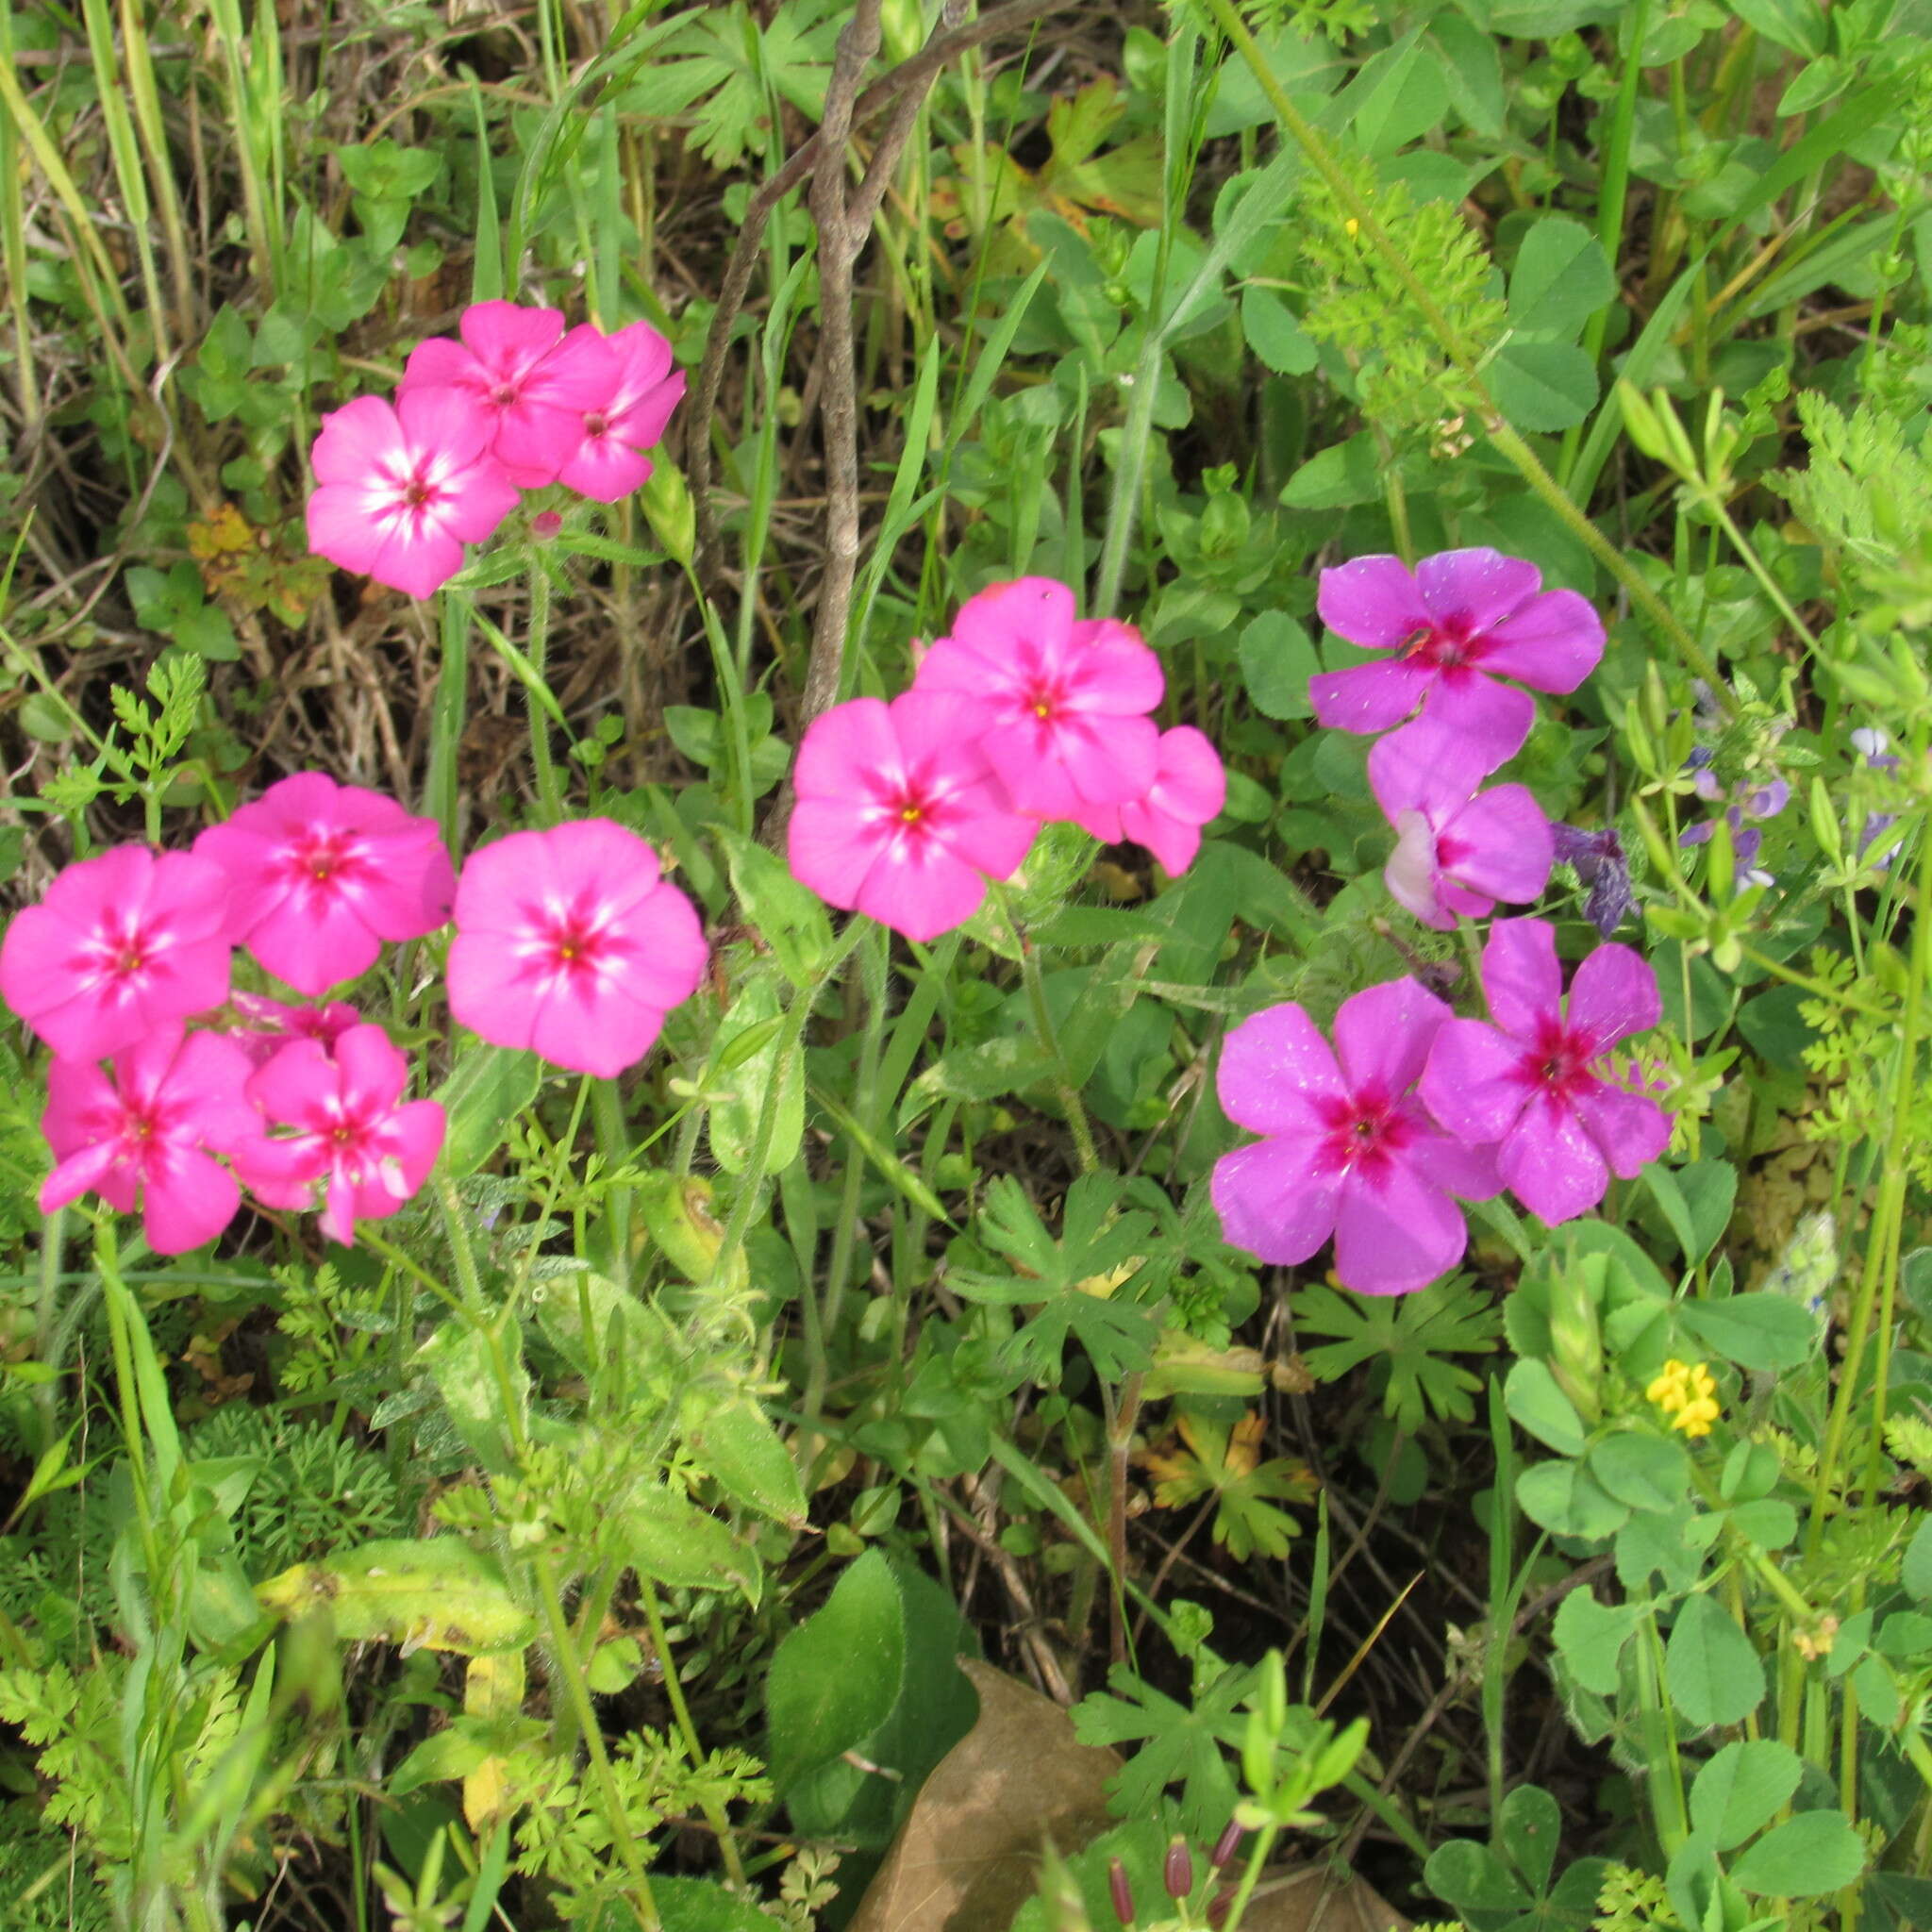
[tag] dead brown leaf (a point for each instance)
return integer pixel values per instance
(968, 1857)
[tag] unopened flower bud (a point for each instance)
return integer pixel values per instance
(1219, 1907)
(1120, 1891)
(1177, 1870)
(1226, 1845)
(546, 524)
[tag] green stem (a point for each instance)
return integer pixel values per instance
(614, 1143)
(714, 1811)
(572, 1667)
(1064, 1089)
(536, 646)
(1251, 1876)
(1465, 360)
(46, 1314)
(447, 713)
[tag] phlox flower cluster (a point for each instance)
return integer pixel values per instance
(171, 1093)
(513, 402)
(1371, 1141)
(1022, 713)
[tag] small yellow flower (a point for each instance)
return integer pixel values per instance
(1686, 1392)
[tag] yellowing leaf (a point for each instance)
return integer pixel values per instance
(432, 1593)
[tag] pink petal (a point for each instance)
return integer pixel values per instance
(1110, 760)
(510, 338)
(1271, 1201)
(1369, 698)
(1273, 1066)
(90, 1168)
(1614, 994)
(1491, 719)
(1629, 1130)
(415, 1133)
(593, 1035)
(417, 565)
(439, 363)
(1035, 779)
(668, 953)
(844, 744)
(358, 443)
(1005, 621)
(1373, 602)
(1480, 587)
(1174, 841)
(1424, 768)
(81, 1107)
(1469, 1082)
(209, 1079)
(314, 942)
(1191, 784)
(1520, 976)
(341, 528)
(535, 441)
(187, 1204)
(1508, 847)
(1550, 1164)
(295, 1086)
(920, 890)
(1394, 1234)
(1382, 1036)
(370, 1072)
(447, 423)
(605, 469)
(986, 835)
(475, 502)
(830, 846)
(1116, 675)
(1554, 643)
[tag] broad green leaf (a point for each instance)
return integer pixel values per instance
(1178, 1743)
(1413, 1335)
(1916, 1572)
(1806, 1856)
(667, 1538)
(1713, 1668)
(1542, 386)
(1537, 1403)
(1590, 1637)
(694, 1905)
(1278, 660)
(1742, 1789)
(1530, 1826)
(1274, 333)
(1796, 26)
(487, 1089)
(747, 1083)
(471, 1367)
(836, 1677)
(1647, 1472)
(433, 1594)
(1565, 1499)
(1760, 1331)
(733, 1441)
(1472, 1878)
(1561, 279)
(791, 918)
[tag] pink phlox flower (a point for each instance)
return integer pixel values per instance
(146, 1137)
(353, 1130)
(1348, 1149)
(1066, 698)
(570, 943)
(608, 463)
(276, 1024)
(122, 943)
(1190, 788)
(1540, 1083)
(526, 387)
(1452, 625)
(404, 488)
(1459, 849)
(900, 815)
(324, 874)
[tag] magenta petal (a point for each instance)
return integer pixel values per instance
(668, 957)
(1550, 1164)
(987, 836)
(1036, 780)
(1478, 587)
(1412, 874)
(1629, 1130)
(842, 744)
(1471, 1082)
(89, 1169)
(1174, 841)
(1382, 1036)
(449, 425)
(1507, 845)
(1395, 1233)
(830, 846)
(1424, 767)
(370, 1073)
(1110, 760)
(1553, 644)
(1116, 676)
(341, 528)
(1466, 1172)
(316, 944)
(1003, 618)
(920, 890)
(357, 443)
(1520, 976)
(593, 1035)
(1492, 719)
(1273, 1066)
(1369, 698)
(1614, 994)
(418, 565)
(606, 470)
(1372, 601)
(1271, 1201)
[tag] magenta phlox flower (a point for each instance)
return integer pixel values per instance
(324, 874)
(900, 815)
(1459, 849)
(275, 1023)
(1452, 626)
(1539, 1083)
(353, 1132)
(404, 488)
(1348, 1149)
(570, 941)
(1190, 788)
(122, 943)
(513, 376)
(147, 1136)
(608, 461)
(1067, 698)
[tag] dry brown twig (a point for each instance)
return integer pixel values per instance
(906, 85)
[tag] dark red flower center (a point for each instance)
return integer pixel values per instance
(1559, 1061)
(418, 493)
(504, 394)
(576, 942)
(324, 861)
(1365, 1131)
(596, 424)
(1446, 644)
